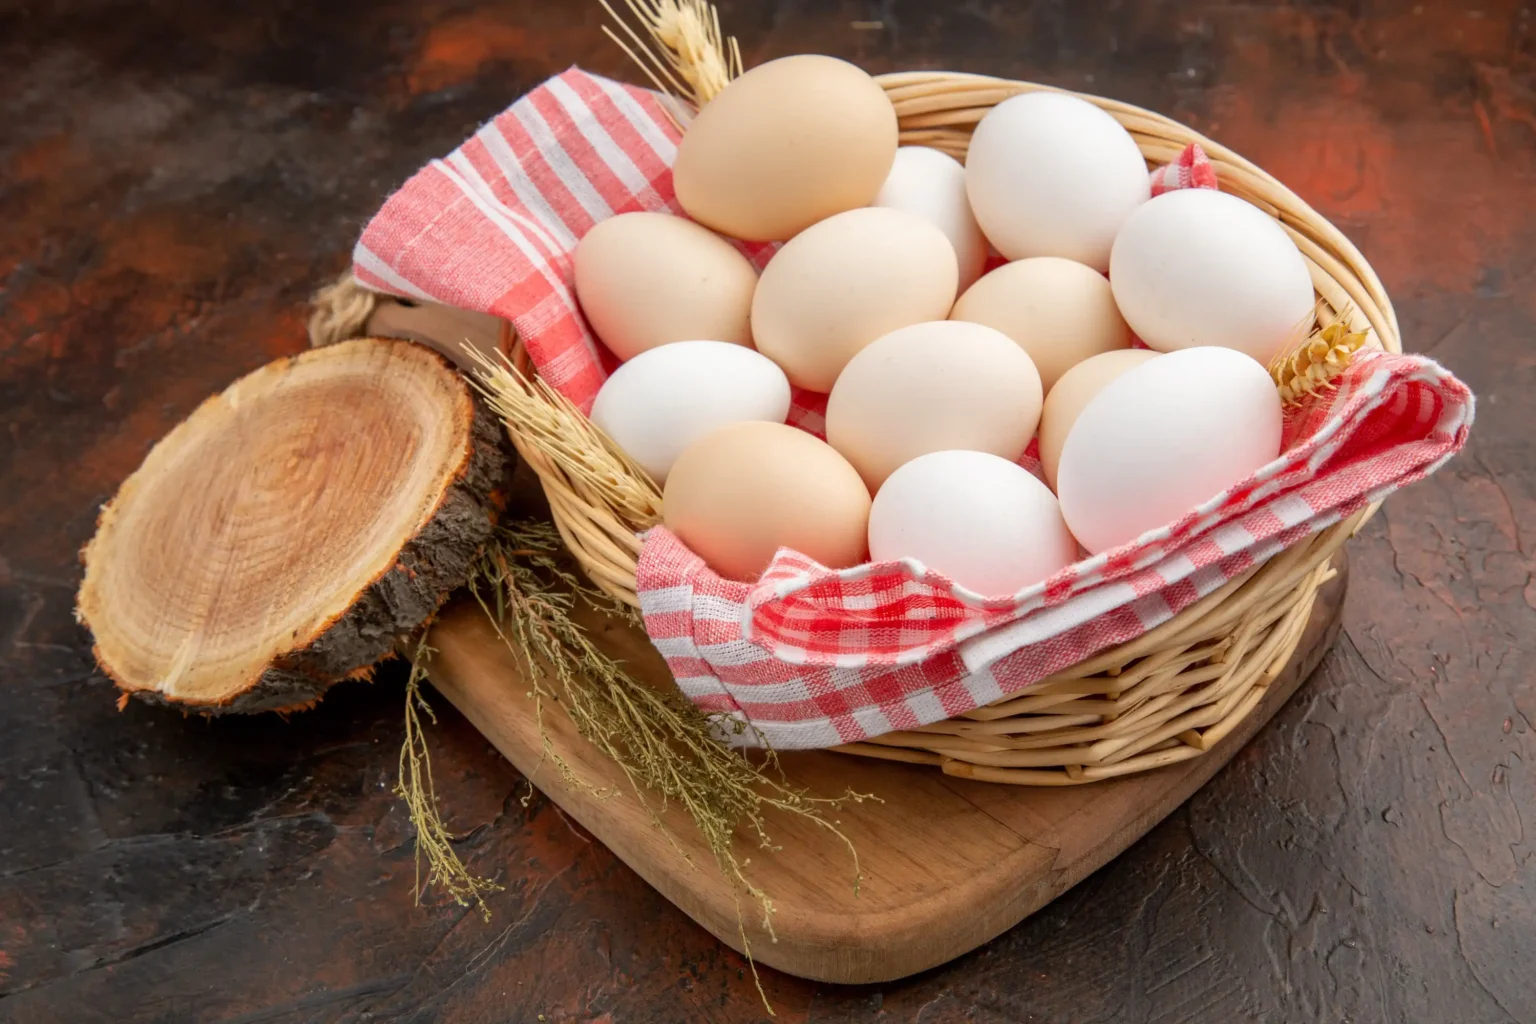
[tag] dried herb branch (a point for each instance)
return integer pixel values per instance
(669, 751)
(414, 786)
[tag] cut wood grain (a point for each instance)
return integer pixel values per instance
(287, 532)
(947, 863)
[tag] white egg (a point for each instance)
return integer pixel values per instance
(981, 520)
(1163, 438)
(1049, 174)
(1198, 267)
(931, 184)
(665, 398)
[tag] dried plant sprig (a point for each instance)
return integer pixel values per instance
(546, 419)
(414, 786)
(667, 748)
(1313, 365)
(682, 50)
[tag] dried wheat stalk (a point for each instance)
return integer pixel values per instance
(1311, 367)
(683, 52)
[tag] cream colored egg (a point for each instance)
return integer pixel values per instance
(647, 279)
(1074, 390)
(787, 144)
(739, 494)
(933, 387)
(1059, 311)
(844, 282)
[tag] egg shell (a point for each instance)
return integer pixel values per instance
(933, 387)
(743, 491)
(1197, 267)
(981, 520)
(931, 184)
(787, 144)
(646, 279)
(1060, 311)
(1049, 174)
(1164, 438)
(842, 283)
(1073, 390)
(664, 399)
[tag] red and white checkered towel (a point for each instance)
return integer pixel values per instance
(812, 656)
(1192, 169)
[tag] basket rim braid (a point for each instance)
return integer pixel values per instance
(1166, 696)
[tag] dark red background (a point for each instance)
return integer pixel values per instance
(175, 177)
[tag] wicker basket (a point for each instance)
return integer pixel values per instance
(1166, 696)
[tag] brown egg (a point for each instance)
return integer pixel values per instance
(1072, 392)
(841, 284)
(787, 144)
(646, 279)
(739, 494)
(1059, 311)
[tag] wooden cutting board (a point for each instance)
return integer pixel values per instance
(947, 863)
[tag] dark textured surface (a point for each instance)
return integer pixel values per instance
(176, 177)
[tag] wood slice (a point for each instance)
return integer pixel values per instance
(284, 535)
